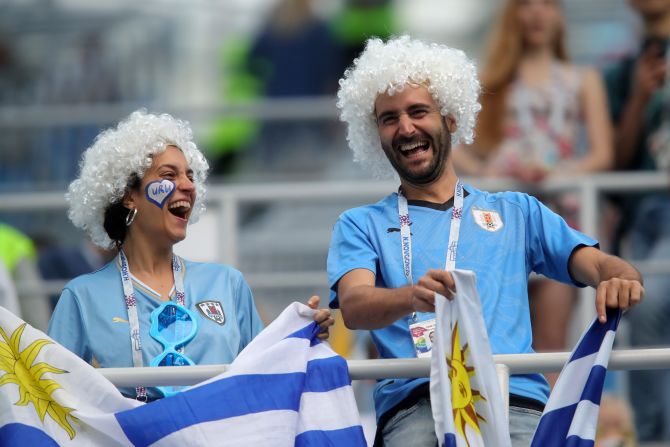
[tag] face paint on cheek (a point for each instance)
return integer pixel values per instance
(159, 191)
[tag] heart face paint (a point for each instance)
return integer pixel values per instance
(159, 191)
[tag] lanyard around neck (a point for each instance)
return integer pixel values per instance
(406, 234)
(131, 307)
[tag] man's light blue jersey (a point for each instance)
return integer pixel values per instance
(503, 238)
(91, 318)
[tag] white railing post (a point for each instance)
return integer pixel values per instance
(502, 371)
(229, 234)
(588, 220)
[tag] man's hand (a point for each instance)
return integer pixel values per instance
(618, 284)
(322, 318)
(434, 281)
(649, 73)
(617, 293)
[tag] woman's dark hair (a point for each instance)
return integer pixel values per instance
(116, 214)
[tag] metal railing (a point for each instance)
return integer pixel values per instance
(506, 365)
(629, 359)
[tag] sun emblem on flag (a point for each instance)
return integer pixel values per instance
(20, 370)
(463, 397)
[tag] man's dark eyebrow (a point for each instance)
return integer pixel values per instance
(418, 106)
(386, 114)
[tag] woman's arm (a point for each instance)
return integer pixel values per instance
(600, 156)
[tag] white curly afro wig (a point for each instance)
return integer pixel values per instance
(117, 154)
(447, 73)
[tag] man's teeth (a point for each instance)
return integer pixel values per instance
(411, 146)
(180, 204)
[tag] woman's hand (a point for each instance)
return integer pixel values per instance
(322, 317)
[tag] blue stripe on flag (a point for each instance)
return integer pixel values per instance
(238, 395)
(350, 436)
(594, 335)
(593, 388)
(309, 332)
(553, 427)
(576, 441)
(15, 434)
(556, 423)
(449, 440)
(326, 374)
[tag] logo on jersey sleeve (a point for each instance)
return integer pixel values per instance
(488, 220)
(212, 310)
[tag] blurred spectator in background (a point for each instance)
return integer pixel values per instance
(640, 106)
(8, 297)
(615, 423)
(294, 55)
(360, 20)
(57, 262)
(536, 106)
(19, 256)
(230, 136)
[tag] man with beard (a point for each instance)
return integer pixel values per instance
(407, 102)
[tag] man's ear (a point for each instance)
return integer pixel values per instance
(450, 121)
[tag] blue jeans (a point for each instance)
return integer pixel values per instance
(414, 426)
(650, 322)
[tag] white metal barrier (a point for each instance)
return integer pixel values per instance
(627, 359)
(507, 364)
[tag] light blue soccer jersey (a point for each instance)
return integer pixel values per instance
(91, 318)
(503, 238)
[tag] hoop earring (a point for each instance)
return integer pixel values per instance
(130, 217)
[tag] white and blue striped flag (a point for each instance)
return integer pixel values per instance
(285, 389)
(466, 399)
(571, 414)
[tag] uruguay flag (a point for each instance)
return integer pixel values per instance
(466, 400)
(571, 415)
(285, 389)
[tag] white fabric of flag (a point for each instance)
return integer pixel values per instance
(467, 403)
(287, 388)
(571, 414)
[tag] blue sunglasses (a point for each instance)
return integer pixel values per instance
(173, 326)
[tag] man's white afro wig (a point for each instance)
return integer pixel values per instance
(121, 152)
(447, 73)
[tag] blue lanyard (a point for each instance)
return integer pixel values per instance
(406, 234)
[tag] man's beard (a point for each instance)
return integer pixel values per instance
(440, 146)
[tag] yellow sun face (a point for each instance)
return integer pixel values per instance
(463, 397)
(19, 370)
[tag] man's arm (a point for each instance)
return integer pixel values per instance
(365, 306)
(617, 283)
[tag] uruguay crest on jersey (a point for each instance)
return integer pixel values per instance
(487, 219)
(212, 310)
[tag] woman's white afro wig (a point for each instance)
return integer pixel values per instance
(117, 154)
(447, 73)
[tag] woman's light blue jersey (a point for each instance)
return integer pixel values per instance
(91, 318)
(503, 238)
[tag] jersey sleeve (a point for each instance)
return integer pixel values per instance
(249, 321)
(67, 325)
(551, 242)
(350, 248)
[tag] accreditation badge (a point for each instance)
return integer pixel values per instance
(423, 333)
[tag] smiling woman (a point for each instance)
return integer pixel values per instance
(140, 186)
